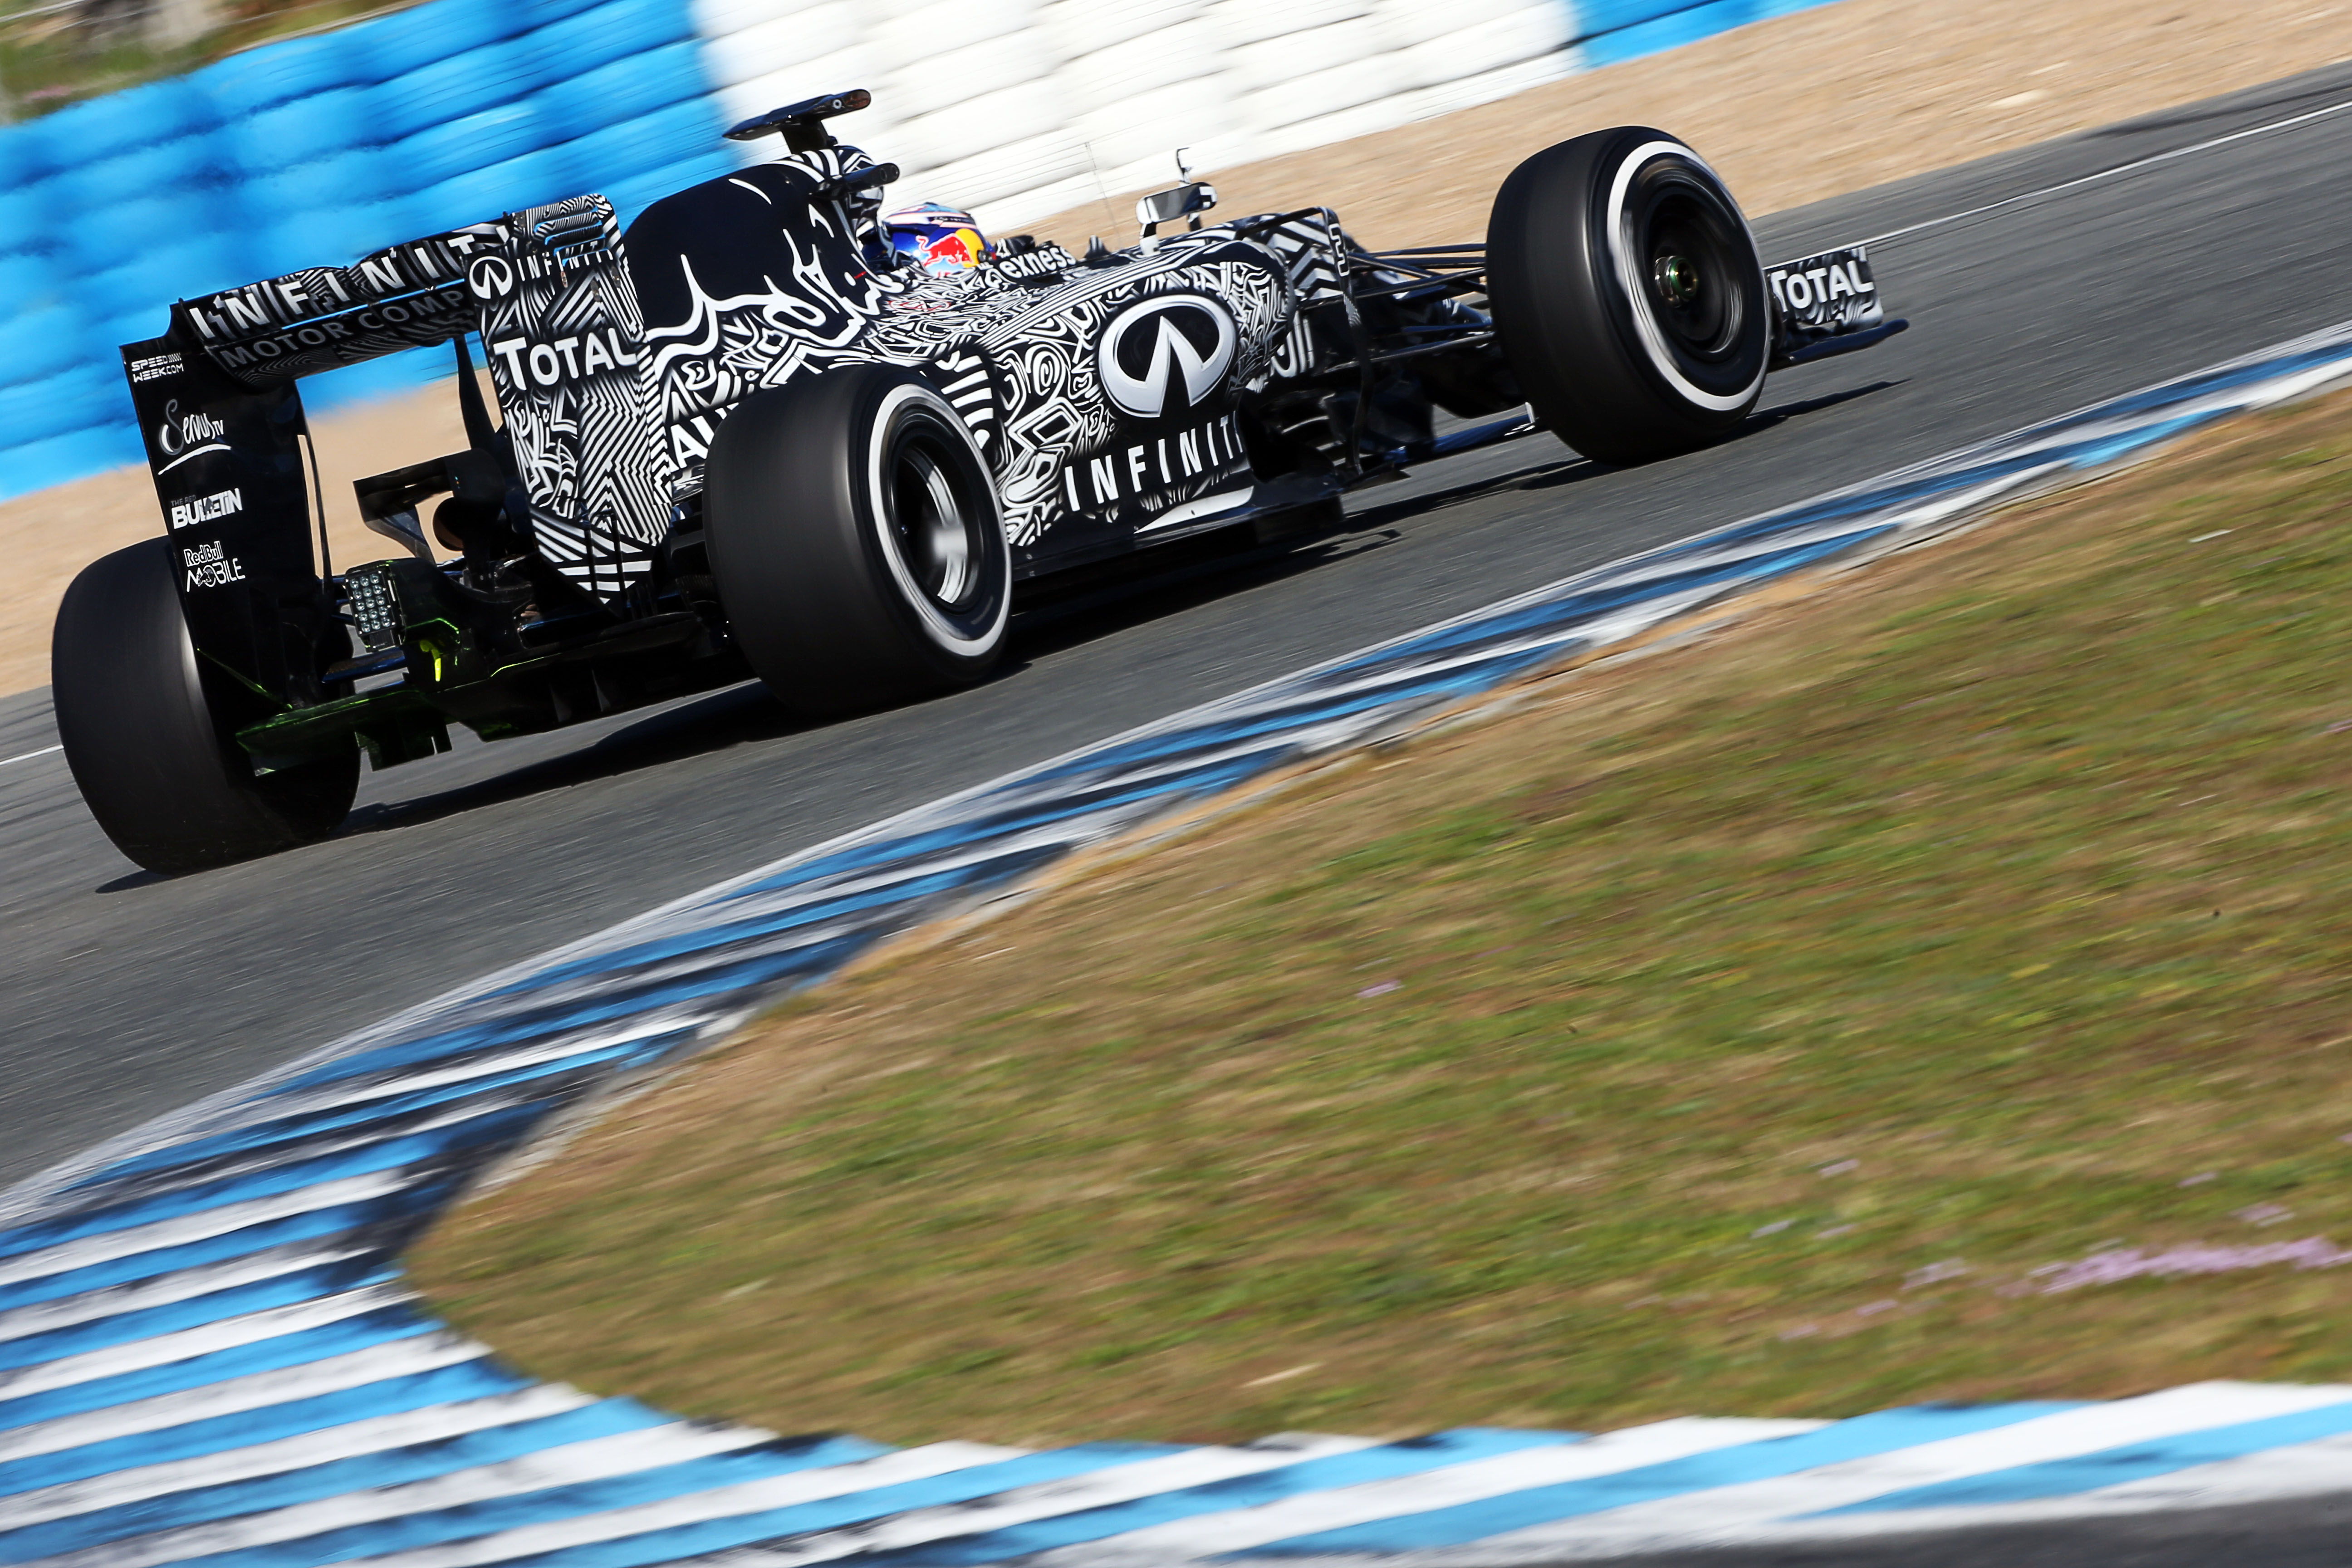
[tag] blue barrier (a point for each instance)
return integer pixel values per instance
(595, 100)
(310, 152)
(409, 41)
(262, 79)
(1611, 32)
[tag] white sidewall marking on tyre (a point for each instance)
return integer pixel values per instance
(938, 628)
(1628, 274)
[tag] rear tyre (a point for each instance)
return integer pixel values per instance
(855, 538)
(1628, 295)
(160, 773)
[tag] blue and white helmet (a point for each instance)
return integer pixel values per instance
(941, 240)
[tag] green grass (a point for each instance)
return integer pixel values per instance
(49, 62)
(1763, 1014)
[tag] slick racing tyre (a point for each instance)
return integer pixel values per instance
(854, 534)
(1627, 295)
(158, 770)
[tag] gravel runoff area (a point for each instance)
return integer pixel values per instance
(1807, 106)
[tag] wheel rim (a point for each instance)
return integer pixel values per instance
(933, 514)
(1689, 259)
(1685, 258)
(931, 527)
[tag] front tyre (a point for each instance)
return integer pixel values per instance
(1628, 295)
(854, 534)
(160, 773)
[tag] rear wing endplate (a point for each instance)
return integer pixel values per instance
(548, 290)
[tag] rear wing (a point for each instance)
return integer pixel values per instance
(548, 290)
(323, 318)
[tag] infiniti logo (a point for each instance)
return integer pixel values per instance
(490, 278)
(1162, 356)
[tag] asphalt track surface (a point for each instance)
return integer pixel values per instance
(126, 996)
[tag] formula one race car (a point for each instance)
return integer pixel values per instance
(760, 435)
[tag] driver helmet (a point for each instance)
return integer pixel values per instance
(940, 239)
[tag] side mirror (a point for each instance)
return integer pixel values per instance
(856, 180)
(1167, 206)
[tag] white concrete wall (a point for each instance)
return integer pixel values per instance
(1018, 108)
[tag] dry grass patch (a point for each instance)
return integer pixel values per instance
(1734, 1030)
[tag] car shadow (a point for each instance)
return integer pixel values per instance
(1151, 591)
(1756, 424)
(1208, 570)
(1545, 473)
(715, 722)
(1764, 420)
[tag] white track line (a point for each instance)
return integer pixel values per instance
(2304, 1468)
(571, 1464)
(333, 1096)
(1731, 1513)
(272, 1154)
(750, 1497)
(2120, 169)
(287, 1456)
(1311, 1512)
(28, 756)
(1048, 1499)
(200, 1226)
(256, 1390)
(229, 1333)
(2275, 1475)
(162, 1290)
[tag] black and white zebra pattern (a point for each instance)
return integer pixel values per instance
(1015, 361)
(565, 342)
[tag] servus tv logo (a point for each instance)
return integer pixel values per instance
(185, 436)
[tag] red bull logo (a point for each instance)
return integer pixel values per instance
(935, 239)
(952, 251)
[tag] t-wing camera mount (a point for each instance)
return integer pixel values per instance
(802, 123)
